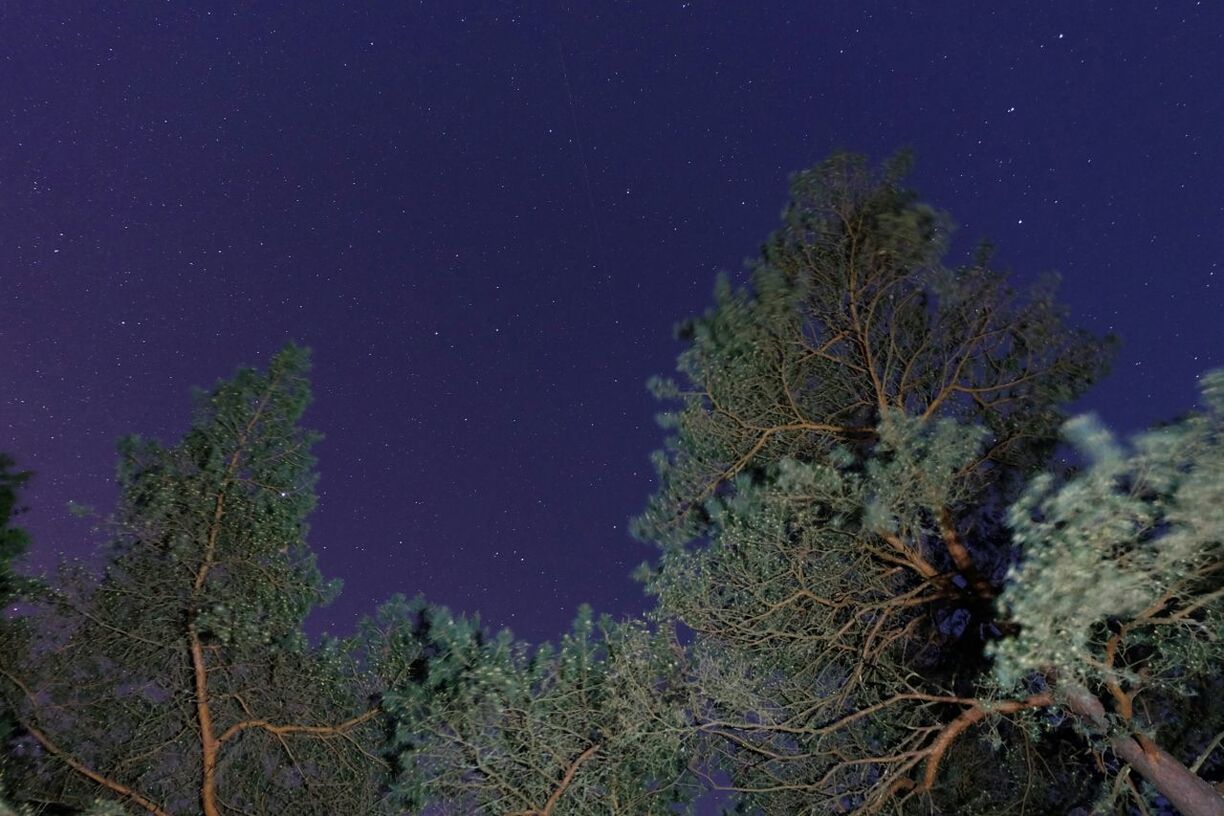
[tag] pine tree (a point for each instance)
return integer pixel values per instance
(851, 317)
(489, 725)
(1120, 597)
(851, 428)
(180, 681)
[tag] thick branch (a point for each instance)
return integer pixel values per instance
(209, 746)
(961, 558)
(969, 718)
(1189, 793)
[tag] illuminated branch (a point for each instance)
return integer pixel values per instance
(968, 719)
(562, 786)
(309, 730)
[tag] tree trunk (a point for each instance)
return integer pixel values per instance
(209, 746)
(1189, 793)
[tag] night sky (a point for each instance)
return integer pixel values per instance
(486, 218)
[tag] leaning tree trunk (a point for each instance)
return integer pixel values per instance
(1189, 792)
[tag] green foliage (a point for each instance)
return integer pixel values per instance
(850, 315)
(206, 584)
(849, 427)
(870, 596)
(1136, 541)
(489, 725)
(1121, 588)
(914, 469)
(812, 649)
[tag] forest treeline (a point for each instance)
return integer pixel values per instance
(878, 589)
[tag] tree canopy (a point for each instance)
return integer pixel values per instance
(878, 589)
(180, 679)
(851, 318)
(588, 727)
(851, 428)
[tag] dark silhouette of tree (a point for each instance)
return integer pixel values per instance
(13, 540)
(13, 544)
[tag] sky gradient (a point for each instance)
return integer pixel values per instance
(486, 218)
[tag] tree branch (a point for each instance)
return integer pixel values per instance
(92, 775)
(292, 728)
(562, 786)
(77, 765)
(969, 718)
(961, 557)
(567, 779)
(1189, 792)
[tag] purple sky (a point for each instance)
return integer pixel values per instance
(485, 219)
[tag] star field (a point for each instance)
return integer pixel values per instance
(485, 219)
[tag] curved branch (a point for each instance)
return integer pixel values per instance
(969, 718)
(567, 779)
(291, 728)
